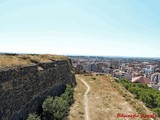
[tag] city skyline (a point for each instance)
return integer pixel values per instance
(101, 28)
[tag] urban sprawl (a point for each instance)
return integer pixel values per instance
(139, 70)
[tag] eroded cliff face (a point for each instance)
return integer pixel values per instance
(23, 89)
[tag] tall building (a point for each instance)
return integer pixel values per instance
(79, 67)
(87, 67)
(123, 67)
(149, 70)
(99, 67)
(93, 67)
(155, 78)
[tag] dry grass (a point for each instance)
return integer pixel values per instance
(26, 59)
(106, 99)
(77, 109)
(9, 60)
(105, 102)
(43, 57)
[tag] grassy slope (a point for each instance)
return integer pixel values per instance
(105, 101)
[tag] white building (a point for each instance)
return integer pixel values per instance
(155, 78)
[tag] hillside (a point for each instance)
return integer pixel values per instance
(105, 100)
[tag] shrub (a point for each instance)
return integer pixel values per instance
(33, 117)
(150, 96)
(68, 94)
(57, 108)
(157, 110)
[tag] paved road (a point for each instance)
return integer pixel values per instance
(86, 99)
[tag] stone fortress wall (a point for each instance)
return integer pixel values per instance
(23, 89)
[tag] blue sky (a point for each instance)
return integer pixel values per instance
(81, 27)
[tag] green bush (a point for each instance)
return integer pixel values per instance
(150, 96)
(157, 110)
(68, 94)
(57, 108)
(33, 117)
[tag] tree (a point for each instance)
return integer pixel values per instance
(68, 95)
(57, 108)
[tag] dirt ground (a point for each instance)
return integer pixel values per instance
(105, 102)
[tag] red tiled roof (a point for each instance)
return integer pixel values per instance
(143, 80)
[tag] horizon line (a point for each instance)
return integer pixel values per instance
(80, 55)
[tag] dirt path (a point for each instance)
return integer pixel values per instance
(77, 110)
(105, 102)
(97, 99)
(86, 99)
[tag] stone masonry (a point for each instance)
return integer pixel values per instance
(23, 89)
